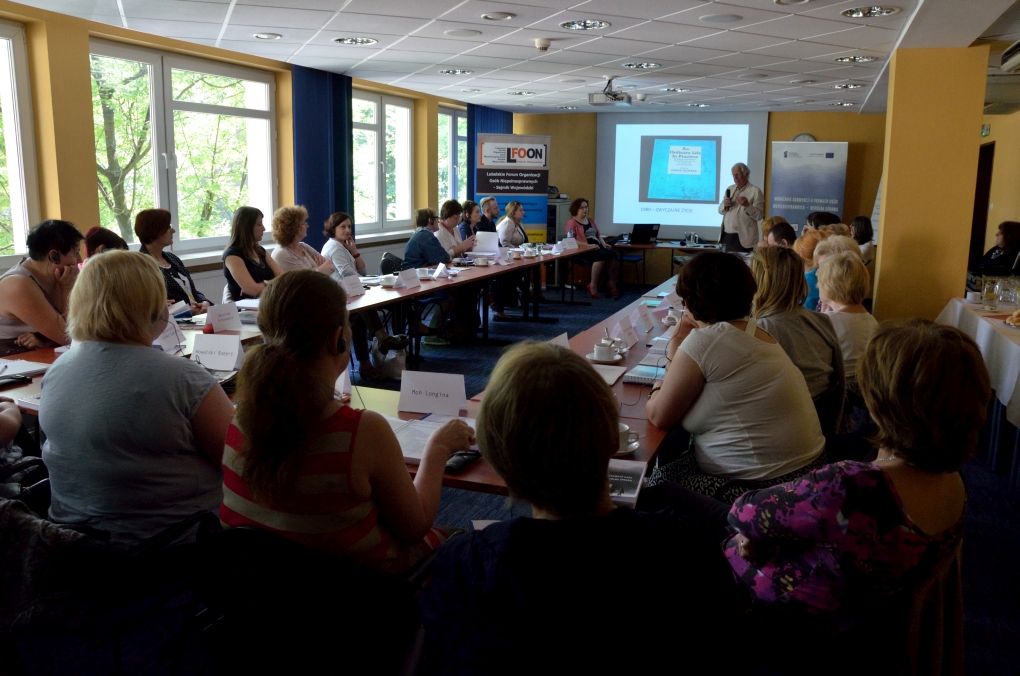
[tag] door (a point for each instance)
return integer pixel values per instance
(981, 195)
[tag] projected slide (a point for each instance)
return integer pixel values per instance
(680, 169)
(675, 174)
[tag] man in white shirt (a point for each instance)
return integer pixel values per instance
(742, 209)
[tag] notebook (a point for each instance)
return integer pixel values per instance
(30, 403)
(19, 367)
(657, 345)
(643, 375)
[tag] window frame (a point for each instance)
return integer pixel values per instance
(455, 114)
(163, 106)
(24, 134)
(382, 224)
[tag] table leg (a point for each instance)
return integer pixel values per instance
(536, 289)
(563, 288)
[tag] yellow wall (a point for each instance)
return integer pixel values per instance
(1005, 197)
(930, 170)
(58, 54)
(571, 152)
(865, 135)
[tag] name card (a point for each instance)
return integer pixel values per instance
(673, 300)
(423, 392)
(440, 272)
(352, 285)
(409, 278)
(171, 339)
(568, 243)
(626, 331)
(561, 340)
(646, 317)
(343, 383)
(223, 317)
(218, 353)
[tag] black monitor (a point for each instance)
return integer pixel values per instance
(644, 233)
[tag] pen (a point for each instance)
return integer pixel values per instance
(4, 368)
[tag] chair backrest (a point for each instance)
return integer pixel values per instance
(935, 631)
(829, 406)
(390, 264)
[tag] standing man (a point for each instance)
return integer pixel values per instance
(741, 211)
(490, 212)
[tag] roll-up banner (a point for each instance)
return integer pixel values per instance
(807, 177)
(515, 167)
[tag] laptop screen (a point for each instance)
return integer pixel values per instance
(644, 233)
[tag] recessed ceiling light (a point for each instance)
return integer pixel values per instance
(675, 90)
(521, 93)
(268, 36)
(567, 107)
(720, 18)
(791, 2)
(470, 91)
(642, 65)
(854, 59)
(869, 12)
(498, 16)
(573, 80)
(848, 86)
(802, 82)
(462, 33)
(843, 104)
(753, 76)
(355, 41)
(698, 105)
(585, 25)
(455, 71)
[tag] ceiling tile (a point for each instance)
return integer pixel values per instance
(697, 70)
(742, 60)
(617, 47)
(797, 49)
(515, 75)
(647, 9)
(477, 63)
(859, 38)
(350, 51)
(661, 31)
(687, 53)
(418, 9)
(394, 68)
(663, 64)
(239, 32)
(105, 8)
(472, 11)
(575, 58)
(540, 66)
(488, 32)
(820, 5)
(395, 53)
(525, 37)
(368, 25)
(174, 10)
(796, 27)
(330, 5)
(274, 49)
(330, 65)
(748, 15)
(436, 46)
(552, 24)
(284, 18)
(506, 51)
(182, 30)
(735, 42)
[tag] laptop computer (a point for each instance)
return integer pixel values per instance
(644, 233)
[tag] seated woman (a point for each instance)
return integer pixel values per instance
(807, 337)
(843, 282)
(245, 265)
(448, 234)
(152, 227)
(511, 229)
(805, 248)
(290, 225)
(33, 294)
(584, 229)
(423, 248)
(98, 240)
(134, 435)
(344, 261)
(304, 465)
(853, 532)
(731, 386)
(490, 587)
(1003, 259)
(470, 218)
(511, 233)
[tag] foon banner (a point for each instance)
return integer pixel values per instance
(513, 167)
(807, 177)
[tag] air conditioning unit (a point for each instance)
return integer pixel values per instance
(1011, 59)
(609, 99)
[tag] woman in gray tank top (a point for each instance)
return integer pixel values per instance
(33, 294)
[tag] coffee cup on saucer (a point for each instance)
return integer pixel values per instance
(673, 315)
(388, 281)
(626, 437)
(973, 296)
(604, 353)
(481, 262)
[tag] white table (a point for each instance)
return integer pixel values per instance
(999, 344)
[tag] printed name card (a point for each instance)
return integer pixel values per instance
(561, 340)
(568, 243)
(343, 383)
(218, 353)
(673, 300)
(223, 317)
(440, 272)
(645, 316)
(410, 278)
(626, 331)
(423, 392)
(171, 339)
(352, 286)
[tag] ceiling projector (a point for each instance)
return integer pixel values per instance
(608, 97)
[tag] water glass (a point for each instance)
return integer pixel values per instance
(990, 295)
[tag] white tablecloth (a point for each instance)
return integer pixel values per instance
(1000, 346)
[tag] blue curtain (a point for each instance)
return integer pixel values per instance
(483, 120)
(323, 147)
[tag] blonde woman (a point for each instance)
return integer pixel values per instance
(805, 248)
(511, 231)
(290, 225)
(843, 283)
(808, 338)
(142, 451)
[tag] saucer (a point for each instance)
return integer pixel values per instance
(591, 358)
(630, 450)
(667, 322)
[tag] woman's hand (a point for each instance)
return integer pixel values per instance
(350, 245)
(466, 245)
(31, 341)
(200, 308)
(65, 277)
(453, 436)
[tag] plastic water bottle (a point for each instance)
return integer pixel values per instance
(570, 233)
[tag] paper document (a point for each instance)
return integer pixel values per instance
(19, 367)
(610, 374)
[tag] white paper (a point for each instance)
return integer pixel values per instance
(673, 300)
(486, 244)
(343, 383)
(561, 340)
(178, 308)
(218, 353)
(352, 285)
(481, 524)
(223, 317)
(247, 304)
(424, 392)
(646, 318)
(629, 335)
(20, 367)
(625, 323)
(610, 374)
(440, 271)
(410, 278)
(171, 339)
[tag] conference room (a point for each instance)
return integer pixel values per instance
(446, 292)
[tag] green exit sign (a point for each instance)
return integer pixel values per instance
(986, 129)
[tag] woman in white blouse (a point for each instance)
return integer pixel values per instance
(290, 225)
(510, 230)
(449, 234)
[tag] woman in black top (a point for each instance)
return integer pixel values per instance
(152, 227)
(1001, 259)
(245, 264)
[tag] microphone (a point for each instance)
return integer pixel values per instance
(727, 197)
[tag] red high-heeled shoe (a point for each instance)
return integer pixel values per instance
(614, 293)
(593, 293)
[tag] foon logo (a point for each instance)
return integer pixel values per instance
(518, 155)
(514, 153)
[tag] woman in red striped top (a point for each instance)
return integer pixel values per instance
(301, 464)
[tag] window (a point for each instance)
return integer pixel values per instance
(383, 172)
(452, 154)
(188, 135)
(19, 191)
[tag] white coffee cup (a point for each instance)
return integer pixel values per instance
(422, 272)
(604, 352)
(673, 315)
(973, 296)
(388, 280)
(481, 262)
(608, 342)
(529, 253)
(627, 437)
